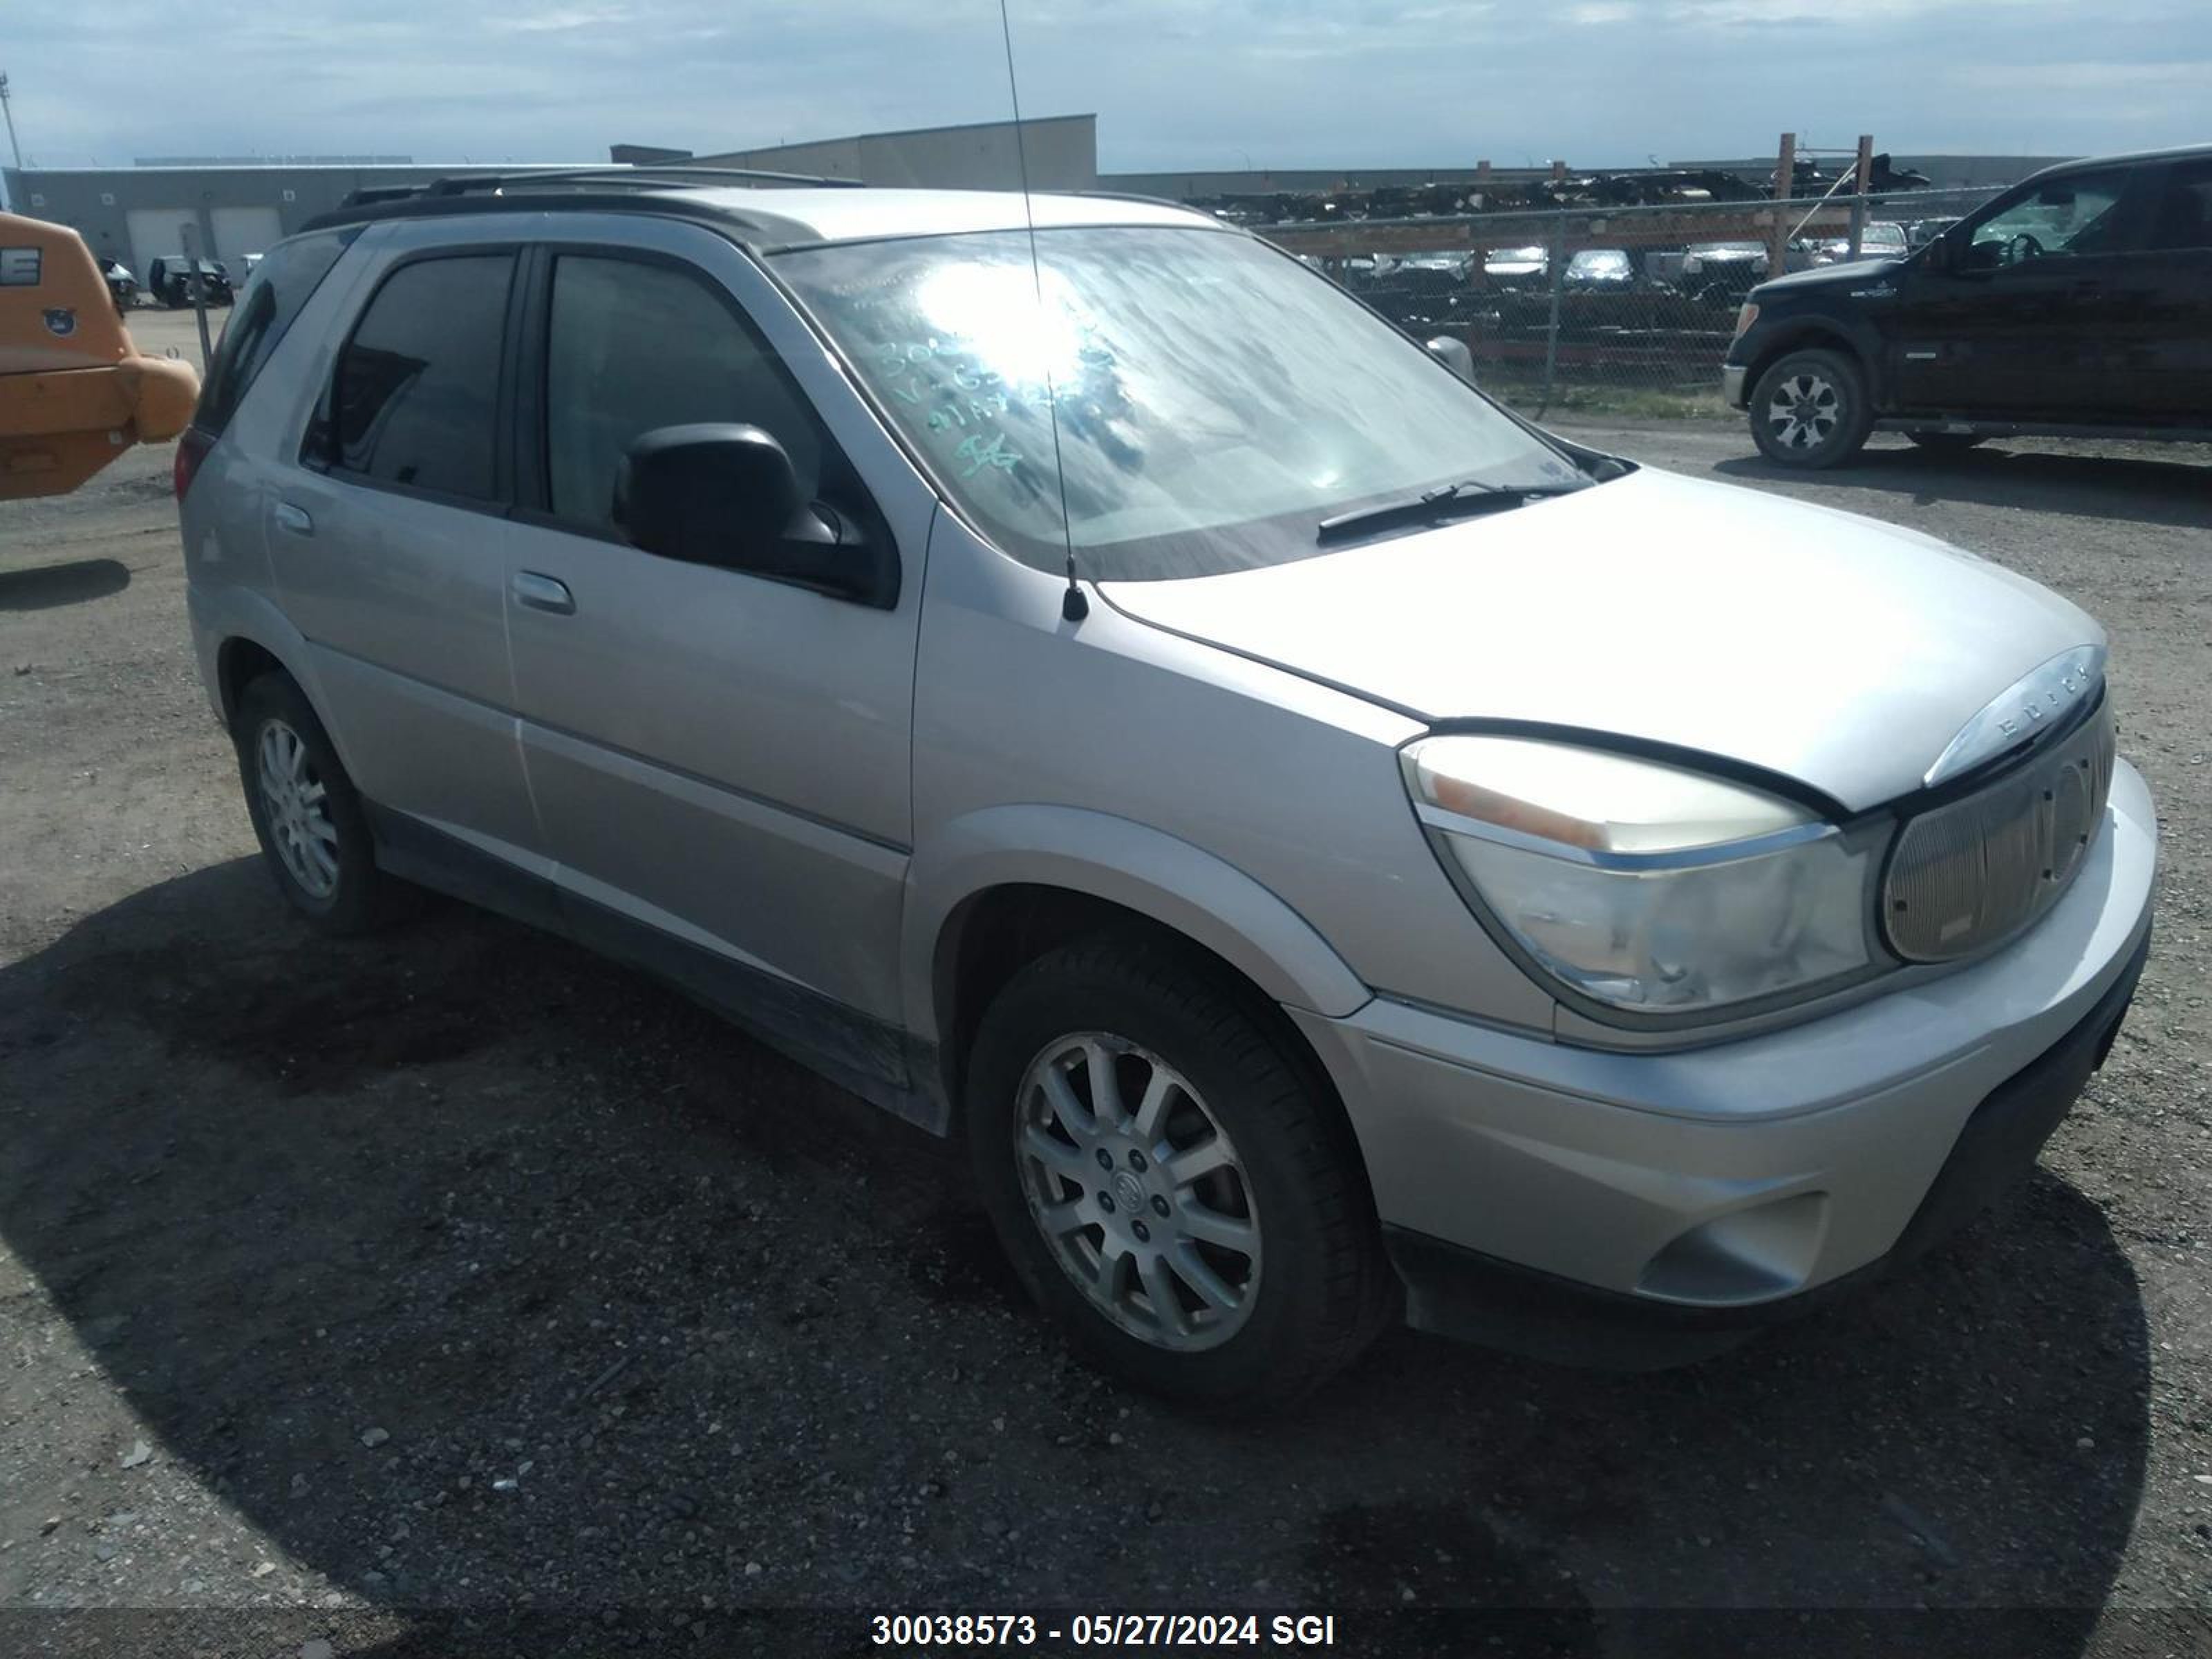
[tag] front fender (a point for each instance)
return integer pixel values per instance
(1175, 883)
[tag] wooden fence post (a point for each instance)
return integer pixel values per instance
(1859, 206)
(1785, 187)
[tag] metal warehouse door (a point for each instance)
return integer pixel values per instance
(156, 232)
(239, 231)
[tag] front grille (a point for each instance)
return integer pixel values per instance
(1973, 872)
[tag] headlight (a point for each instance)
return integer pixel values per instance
(1644, 887)
(1746, 315)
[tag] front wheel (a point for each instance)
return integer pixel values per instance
(1809, 410)
(1170, 1182)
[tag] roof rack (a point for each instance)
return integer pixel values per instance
(617, 173)
(615, 176)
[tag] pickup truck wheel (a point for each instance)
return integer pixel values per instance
(1165, 1180)
(1944, 443)
(306, 812)
(1809, 410)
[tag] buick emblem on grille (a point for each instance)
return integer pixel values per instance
(2045, 695)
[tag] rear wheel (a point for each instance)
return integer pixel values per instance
(1809, 410)
(1168, 1180)
(1944, 443)
(306, 814)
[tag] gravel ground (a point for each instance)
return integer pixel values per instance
(457, 1269)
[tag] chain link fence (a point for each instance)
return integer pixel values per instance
(1621, 310)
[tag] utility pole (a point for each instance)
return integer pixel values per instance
(14, 147)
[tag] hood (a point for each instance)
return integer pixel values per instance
(1829, 649)
(1842, 274)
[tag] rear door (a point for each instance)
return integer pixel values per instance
(389, 546)
(2167, 359)
(721, 760)
(2019, 312)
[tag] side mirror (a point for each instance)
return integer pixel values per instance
(1979, 258)
(1453, 353)
(726, 494)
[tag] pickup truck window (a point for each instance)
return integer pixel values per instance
(2077, 215)
(2184, 219)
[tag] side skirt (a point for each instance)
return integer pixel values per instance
(1964, 424)
(884, 1066)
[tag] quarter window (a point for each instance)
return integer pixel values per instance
(282, 284)
(418, 383)
(635, 346)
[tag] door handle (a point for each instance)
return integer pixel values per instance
(542, 594)
(293, 518)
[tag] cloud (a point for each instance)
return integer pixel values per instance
(559, 20)
(2075, 79)
(1176, 83)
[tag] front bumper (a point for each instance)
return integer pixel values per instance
(1733, 1178)
(1732, 387)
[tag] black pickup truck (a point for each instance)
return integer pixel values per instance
(2076, 304)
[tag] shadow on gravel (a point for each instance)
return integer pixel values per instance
(45, 586)
(467, 1268)
(2130, 488)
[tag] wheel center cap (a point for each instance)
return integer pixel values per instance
(1128, 1191)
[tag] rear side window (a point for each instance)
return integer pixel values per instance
(416, 391)
(633, 346)
(2183, 218)
(283, 282)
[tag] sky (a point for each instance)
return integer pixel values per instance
(1177, 84)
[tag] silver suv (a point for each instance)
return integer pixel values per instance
(1330, 849)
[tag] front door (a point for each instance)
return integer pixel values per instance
(721, 760)
(2014, 314)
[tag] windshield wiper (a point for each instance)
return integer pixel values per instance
(1436, 506)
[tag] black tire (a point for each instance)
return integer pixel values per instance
(1320, 1289)
(1944, 443)
(1827, 417)
(360, 896)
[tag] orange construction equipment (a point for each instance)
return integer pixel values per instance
(75, 393)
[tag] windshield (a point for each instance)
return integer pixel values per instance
(1217, 400)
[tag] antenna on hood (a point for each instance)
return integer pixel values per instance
(1074, 607)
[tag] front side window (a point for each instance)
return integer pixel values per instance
(632, 346)
(2184, 219)
(1216, 399)
(417, 385)
(2073, 216)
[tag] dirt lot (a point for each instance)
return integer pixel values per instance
(455, 1268)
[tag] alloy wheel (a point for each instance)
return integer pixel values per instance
(1139, 1192)
(1804, 412)
(297, 807)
